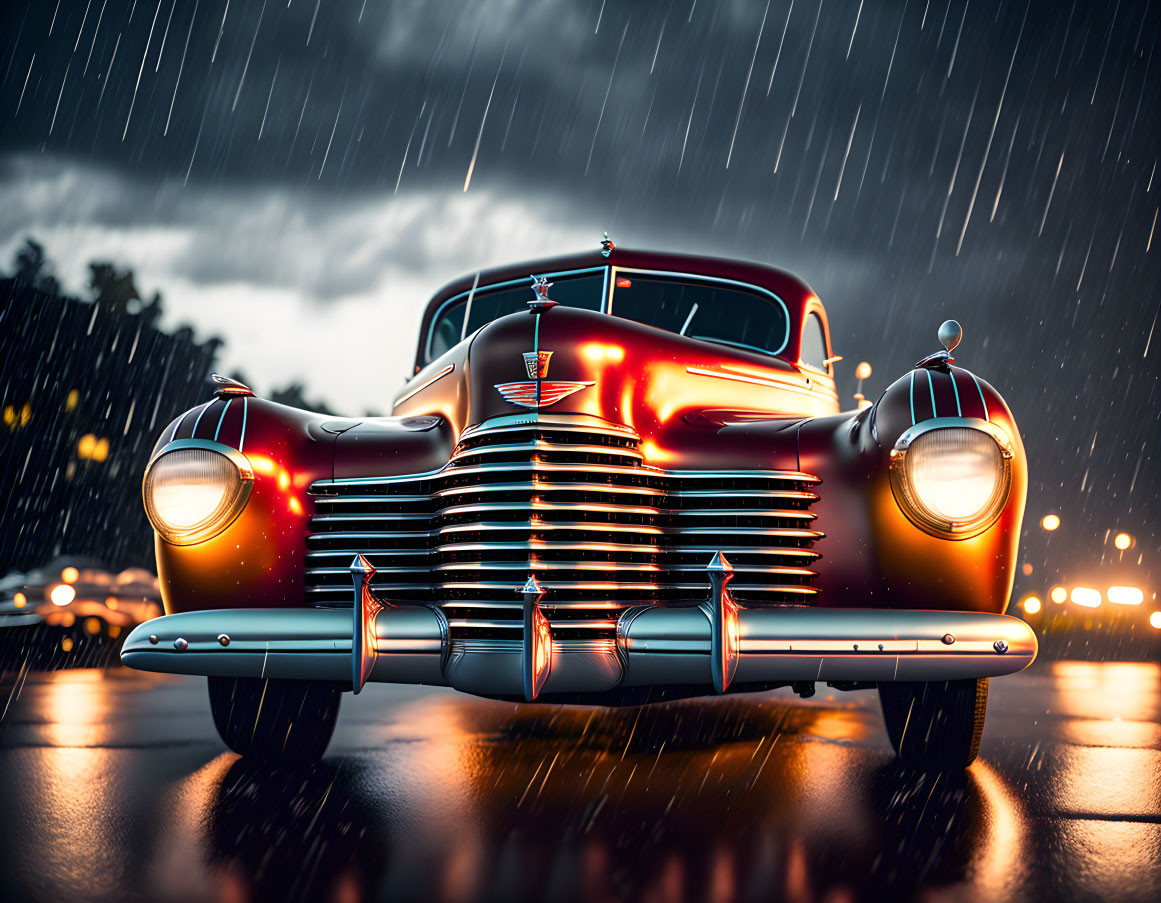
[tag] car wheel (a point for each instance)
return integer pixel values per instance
(935, 725)
(275, 720)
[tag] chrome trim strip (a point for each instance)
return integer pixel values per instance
(980, 389)
(757, 381)
(205, 407)
(229, 401)
(931, 389)
(245, 402)
(442, 373)
(958, 409)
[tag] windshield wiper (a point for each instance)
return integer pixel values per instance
(688, 319)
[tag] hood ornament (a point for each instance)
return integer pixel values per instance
(541, 302)
(607, 247)
(227, 387)
(950, 334)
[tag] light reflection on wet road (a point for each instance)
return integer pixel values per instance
(114, 786)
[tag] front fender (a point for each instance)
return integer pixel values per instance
(871, 546)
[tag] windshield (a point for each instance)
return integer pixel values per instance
(582, 290)
(712, 311)
(699, 307)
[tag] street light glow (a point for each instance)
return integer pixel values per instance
(1086, 596)
(1050, 522)
(1155, 620)
(1058, 594)
(62, 594)
(1031, 605)
(1123, 541)
(1126, 595)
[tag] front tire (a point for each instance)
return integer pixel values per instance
(935, 725)
(274, 720)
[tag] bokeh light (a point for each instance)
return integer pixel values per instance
(1126, 595)
(1050, 522)
(1155, 619)
(62, 594)
(1086, 596)
(1123, 541)
(1031, 605)
(70, 575)
(1058, 594)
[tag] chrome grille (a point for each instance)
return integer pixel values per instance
(572, 502)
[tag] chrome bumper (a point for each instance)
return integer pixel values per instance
(716, 644)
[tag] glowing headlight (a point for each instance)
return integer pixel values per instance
(951, 475)
(194, 490)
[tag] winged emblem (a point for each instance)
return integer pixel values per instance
(538, 392)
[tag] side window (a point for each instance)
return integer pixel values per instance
(814, 343)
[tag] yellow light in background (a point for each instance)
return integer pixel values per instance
(1050, 522)
(67, 644)
(25, 414)
(111, 602)
(71, 401)
(86, 445)
(70, 575)
(1086, 596)
(20, 599)
(1026, 568)
(62, 594)
(92, 626)
(1155, 620)
(1031, 605)
(1058, 594)
(101, 450)
(1125, 595)
(863, 370)
(114, 631)
(10, 415)
(1123, 541)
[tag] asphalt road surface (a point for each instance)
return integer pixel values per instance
(113, 786)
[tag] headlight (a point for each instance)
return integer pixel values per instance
(951, 475)
(194, 489)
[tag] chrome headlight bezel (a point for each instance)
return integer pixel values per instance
(912, 505)
(233, 502)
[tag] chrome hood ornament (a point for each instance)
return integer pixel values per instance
(607, 247)
(950, 334)
(541, 302)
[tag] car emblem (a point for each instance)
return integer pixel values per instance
(538, 392)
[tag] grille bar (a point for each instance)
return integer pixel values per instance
(571, 501)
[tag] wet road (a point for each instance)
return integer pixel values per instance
(114, 786)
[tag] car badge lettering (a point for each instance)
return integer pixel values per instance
(536, 363)
(537, 391)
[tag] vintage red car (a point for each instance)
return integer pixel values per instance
(624, 478)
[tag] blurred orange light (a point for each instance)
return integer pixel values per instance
(622, 282)
(295, 506)
(69, 575)
(62, 594)
(111, 602)
(1155, 620)
(20, 599)
(86, 445)
(114, 631)
(599, 351)
(1123, 541)
(101, 450)
(283, 481)
(67, 644)
(1026, 568)
(1086, 596)
(1058, 594)
(863, 370)
(71, 401)
(1125, 595)
(92, 626)
(1031, 605)
(1050, 522)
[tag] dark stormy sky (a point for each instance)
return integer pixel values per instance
(298, 177)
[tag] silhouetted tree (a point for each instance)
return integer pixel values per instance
(292, 395)
(32, 266)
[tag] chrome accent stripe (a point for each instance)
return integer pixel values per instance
(958, 409)
(931, 389)
(759, 381)
(242, 440)
(913, 398)
(205, 408)
(223, 417)
(442, 373)
(980, 389)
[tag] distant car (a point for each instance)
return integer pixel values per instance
(623, 479)
(71, 612)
